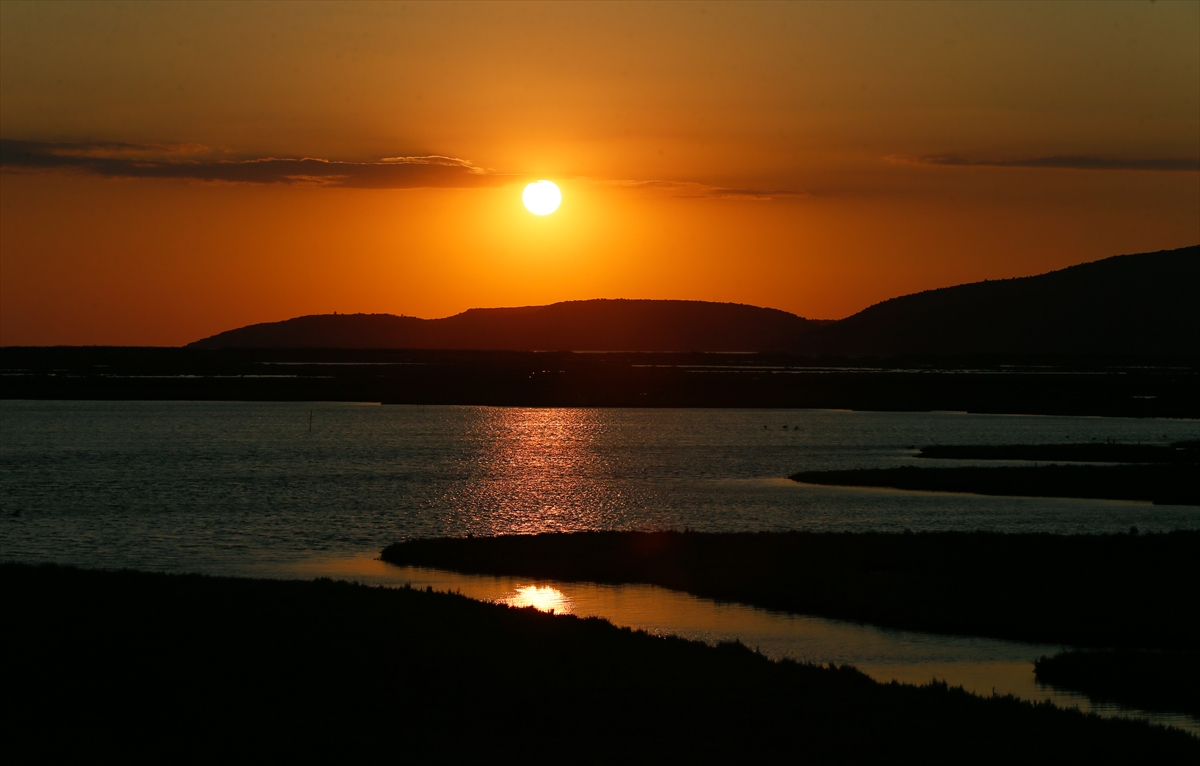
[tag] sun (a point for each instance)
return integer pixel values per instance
(541, 597)
(541, 197)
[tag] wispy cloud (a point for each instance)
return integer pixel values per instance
(694, 190)
(117, 160)
(197, 162)
(1063, 162)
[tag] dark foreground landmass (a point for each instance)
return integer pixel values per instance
(1160, 484)
(1166, 681)
(131, 664)
(1049, 385)
(1135, 591)
(1098, 452)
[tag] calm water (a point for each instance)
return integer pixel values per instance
(980, 665)
(254, 489)
(228, 487)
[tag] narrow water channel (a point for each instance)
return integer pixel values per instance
(979, 665)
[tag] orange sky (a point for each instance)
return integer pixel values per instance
(811, 157)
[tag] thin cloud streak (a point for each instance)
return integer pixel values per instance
(1062, 162)
(116, 160)
(694, 190)
(187, 162)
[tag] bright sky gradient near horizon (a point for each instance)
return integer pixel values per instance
(811, 157)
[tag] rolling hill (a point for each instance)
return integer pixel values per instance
(1127, 304)
(595, 325)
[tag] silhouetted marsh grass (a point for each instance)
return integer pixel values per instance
(191, 667)
(1133, 591)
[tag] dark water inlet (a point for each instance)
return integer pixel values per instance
(980, 665)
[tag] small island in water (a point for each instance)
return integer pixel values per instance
(1163, 475)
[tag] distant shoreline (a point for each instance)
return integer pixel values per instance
(1112, 387)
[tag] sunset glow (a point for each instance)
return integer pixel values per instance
(811, 157)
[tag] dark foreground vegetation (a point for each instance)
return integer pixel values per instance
(1163, 484)
(1167, 681)
(1134, 591)
(192, 668)
(1129, 591)
(1088, 452)
(1050, 385)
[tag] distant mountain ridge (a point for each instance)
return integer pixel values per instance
(1127, 304)
(593, 325)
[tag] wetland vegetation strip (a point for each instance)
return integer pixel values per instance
(136, 662)
(1160, 484)
(1163, 681)
(1071, 385)
(1026, 587)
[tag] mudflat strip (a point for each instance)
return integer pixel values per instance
(1095, 452)
(1161, 484)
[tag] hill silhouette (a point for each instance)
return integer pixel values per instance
(595, 325)
(1127, 304)
(1139, 304)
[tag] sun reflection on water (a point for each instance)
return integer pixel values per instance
(540, 597)
(539, 470)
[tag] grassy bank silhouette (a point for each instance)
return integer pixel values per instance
(191, 666)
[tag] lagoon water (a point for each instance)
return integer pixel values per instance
(980, 665)
(300, 489)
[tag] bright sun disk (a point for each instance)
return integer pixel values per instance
(541, 197)
(541, 597)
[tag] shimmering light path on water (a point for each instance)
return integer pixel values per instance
(979, 665)
(233, 486)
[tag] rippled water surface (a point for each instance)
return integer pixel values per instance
(238, 487)
(304, 490)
